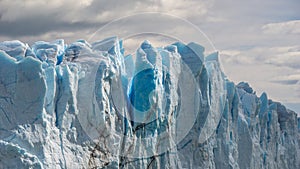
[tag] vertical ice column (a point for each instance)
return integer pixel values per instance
(145, 92)
(50, 52)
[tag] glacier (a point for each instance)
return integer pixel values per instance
(83, 105)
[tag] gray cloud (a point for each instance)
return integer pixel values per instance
(286, 82)
(292, 79)
(21, 18)
(283, 56)
(39, 26)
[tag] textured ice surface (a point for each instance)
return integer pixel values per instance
(84, 105)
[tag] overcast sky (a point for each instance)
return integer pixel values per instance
(259, 41)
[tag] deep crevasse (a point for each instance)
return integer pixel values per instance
(86, 105)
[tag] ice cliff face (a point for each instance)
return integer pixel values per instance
(89, 106)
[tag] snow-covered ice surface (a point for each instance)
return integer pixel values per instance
(84, 105)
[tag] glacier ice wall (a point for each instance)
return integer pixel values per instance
(84, 105)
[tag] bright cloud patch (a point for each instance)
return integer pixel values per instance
(290, 27)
